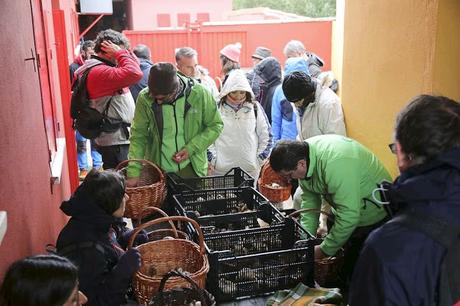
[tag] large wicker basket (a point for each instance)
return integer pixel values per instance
(274, 187)
(150, 189)
(161, 256)
(326, 269)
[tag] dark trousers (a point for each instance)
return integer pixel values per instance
(113, 155)
(351, 250)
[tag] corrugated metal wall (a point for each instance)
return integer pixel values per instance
(208, 39)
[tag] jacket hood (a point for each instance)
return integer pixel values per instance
(314, 59)
(79, 60)
(436, 181)
(269, 69)
(81, 207)
(145, 63)
(236, 81)
(296, 64)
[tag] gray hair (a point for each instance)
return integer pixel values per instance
(142, 51)
(185, 52)
(293, 46)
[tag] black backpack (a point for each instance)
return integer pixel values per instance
(448, 291)
(87, 120)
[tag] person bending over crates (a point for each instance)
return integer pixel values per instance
(344, 173)
(175, 121)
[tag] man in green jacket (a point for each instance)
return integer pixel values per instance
(175, 121)
(345, 174)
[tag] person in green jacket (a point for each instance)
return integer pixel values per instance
(175, 121)
(345, 174)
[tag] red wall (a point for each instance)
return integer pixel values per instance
(210, 38)
(143, 13)
(31, 201)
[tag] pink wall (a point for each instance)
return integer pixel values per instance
(31, 201)
(316, 35)
(70, 24)
(144, 12)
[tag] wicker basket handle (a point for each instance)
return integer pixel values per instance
(125, 162)
(166, 219)
(150, 209)
(302, 210)
(179, 274)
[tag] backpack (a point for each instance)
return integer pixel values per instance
(87, 120)
(438, 229)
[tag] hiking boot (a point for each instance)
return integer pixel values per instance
(82, 174)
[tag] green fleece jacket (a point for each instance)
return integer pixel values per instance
(344, 173)
(200, 125)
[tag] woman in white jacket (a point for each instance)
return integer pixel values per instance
(246, 140)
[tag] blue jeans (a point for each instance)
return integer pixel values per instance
(81, 153)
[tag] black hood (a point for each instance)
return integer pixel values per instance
(434, 186)
(82, 208)
(269, 70)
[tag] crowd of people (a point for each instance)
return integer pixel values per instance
(176, 116)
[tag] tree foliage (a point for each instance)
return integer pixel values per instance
(309, 8)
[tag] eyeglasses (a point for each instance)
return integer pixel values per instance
(392, 147)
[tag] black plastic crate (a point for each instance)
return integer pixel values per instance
(219, 201)
(266, 214)
(216, 208)
(235, 177)
(253, 262)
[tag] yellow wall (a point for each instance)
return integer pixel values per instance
(446, 80)
(388, 57)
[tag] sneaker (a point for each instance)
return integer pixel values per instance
(82, 174)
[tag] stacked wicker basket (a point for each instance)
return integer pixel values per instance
(167, 249)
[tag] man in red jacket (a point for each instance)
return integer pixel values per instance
(113, 69)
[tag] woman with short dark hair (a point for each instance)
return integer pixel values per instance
(41, 280)
(403, 262)
(93, 238)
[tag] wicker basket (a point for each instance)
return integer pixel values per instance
(159, 234)
(326, 269)
(267, 177)
(182, 296)
(150, 190)
(161, 256)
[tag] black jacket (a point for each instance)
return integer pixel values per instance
(400, 265)
(85, 241)
(268, 71)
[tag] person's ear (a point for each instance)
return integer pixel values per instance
(302, 163)
(404, 160)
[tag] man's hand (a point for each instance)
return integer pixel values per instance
(132, 182)
(109, 48)
(180, 156)
(210, 169)
(321, 232)
(318, 253)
